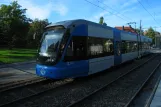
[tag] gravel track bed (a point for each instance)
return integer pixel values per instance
(70, 93)
(19, 83)
(144, 95)
(28, 90)
(120, 92)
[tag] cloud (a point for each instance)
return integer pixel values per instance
(128, 10)
(60, 8)
(110, 20)
(42, 11)
(118, 8)
(100, 14)
(119, 4)
(96, 17)
(112, 2)
(128, 3)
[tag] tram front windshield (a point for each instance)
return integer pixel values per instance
(50, 43)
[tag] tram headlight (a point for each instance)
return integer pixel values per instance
(42, 71)
(50, 60)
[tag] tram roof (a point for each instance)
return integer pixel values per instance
(70, 22)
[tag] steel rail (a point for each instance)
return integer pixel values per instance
(137, 67)
(21, 84)
(35, 94)
(142, 86)
(153, 92)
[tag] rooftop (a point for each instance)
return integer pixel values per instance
(126, 28)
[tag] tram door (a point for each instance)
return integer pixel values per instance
(117, 48)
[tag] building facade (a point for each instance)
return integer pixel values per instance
(158, 40)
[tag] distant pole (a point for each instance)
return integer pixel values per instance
(140, 28)
(140, 32)
(140, 47)
(155, 38)
(135, 27)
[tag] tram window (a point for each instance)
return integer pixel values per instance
(99, 47)
(118, 47)
(108, 47)
(95, 47)
(144, 45)
(148, 45)
(124, 47)
(63, 44)
(134, 46)
(77, 49)
(129, 46)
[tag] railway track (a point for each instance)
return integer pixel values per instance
(144, 96)
(20, 83)
(142, 86)
(60, 93)
(22, 92)
(115, 92)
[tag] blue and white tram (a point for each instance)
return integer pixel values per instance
(79, 48)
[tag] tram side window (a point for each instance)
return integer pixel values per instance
(148, 45)
(95, 47)
(124, 47)
(107, 47)
(145, 45)
(129, 46)
(77, 49)
(134, 46)
(99, 47)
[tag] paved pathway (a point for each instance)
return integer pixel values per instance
(17, 71)
(156, 102)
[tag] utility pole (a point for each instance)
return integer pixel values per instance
(140, 28)
(155, 37)
(140, 47)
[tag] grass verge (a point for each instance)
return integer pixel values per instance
(16, 55)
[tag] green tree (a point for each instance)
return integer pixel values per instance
(36, 31)
(14, 24)
(101, 20)
(151, 33)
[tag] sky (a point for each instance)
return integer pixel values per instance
(115, 12)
